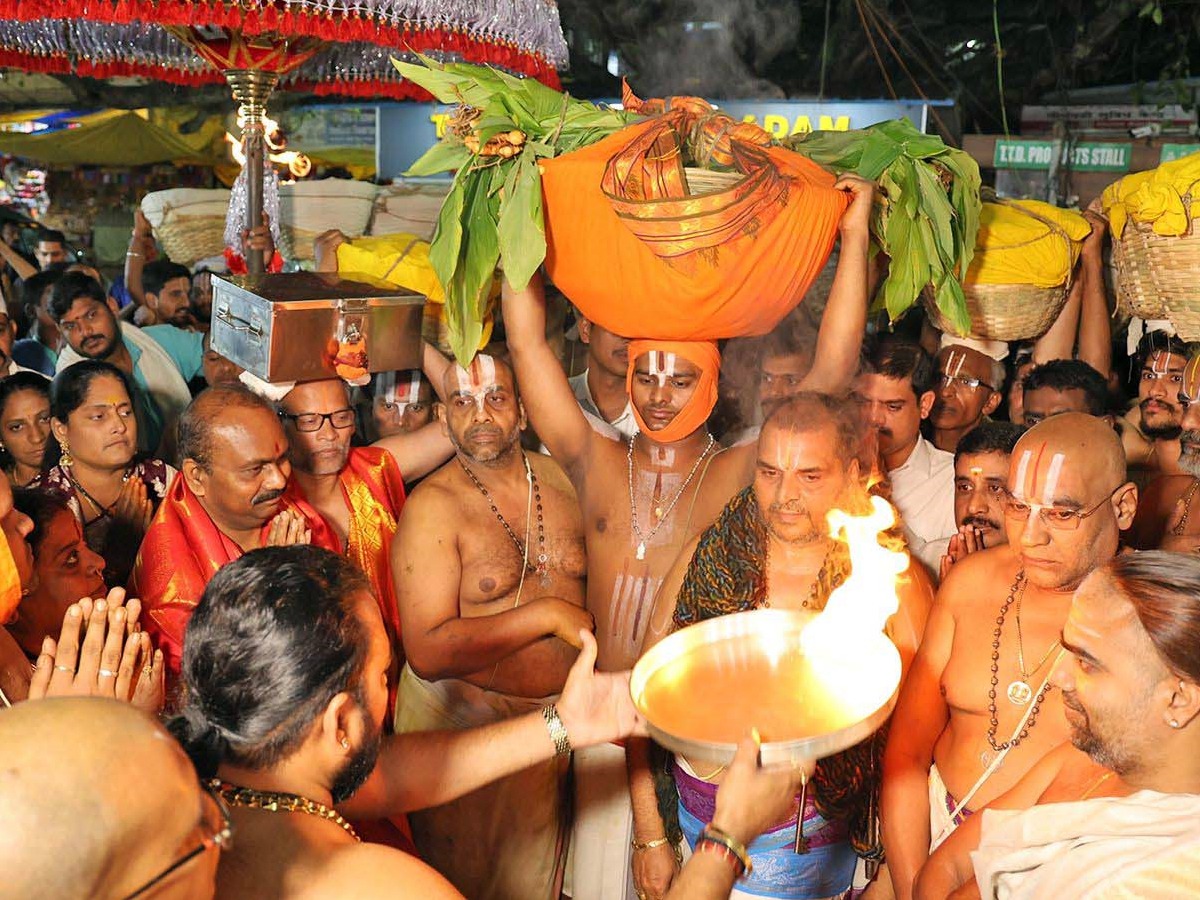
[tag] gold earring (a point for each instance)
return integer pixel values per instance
(65, 459)
(345, 743)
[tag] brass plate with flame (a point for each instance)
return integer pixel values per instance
(704, 687)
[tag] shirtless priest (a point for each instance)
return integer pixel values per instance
(643, 498)
(489, 566)
(770, 547)
(979, 692)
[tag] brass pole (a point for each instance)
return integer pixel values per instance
(252, 88)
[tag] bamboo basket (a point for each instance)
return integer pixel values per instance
(1158, 276)
(1007, 312)
(189, 223)
(308, 208)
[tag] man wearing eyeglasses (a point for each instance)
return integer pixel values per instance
(968, 383)
(357, 492)
(978, 710)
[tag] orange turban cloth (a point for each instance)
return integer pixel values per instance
(703, 354)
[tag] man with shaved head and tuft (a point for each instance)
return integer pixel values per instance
(979, 693)
(94, 825)
(489, 569)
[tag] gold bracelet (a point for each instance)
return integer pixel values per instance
(734, 846)
(557, 730)
(639, 846)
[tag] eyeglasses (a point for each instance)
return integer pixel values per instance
(216, 834)
(339, 418)
(945, 381)
(1060, 518)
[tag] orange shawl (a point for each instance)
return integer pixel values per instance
(643, 256)
(181, 552)
(374, 490)
(693, 415)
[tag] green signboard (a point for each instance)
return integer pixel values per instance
(1083, 157)
(1171, 152)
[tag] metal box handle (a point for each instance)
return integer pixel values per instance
(238, 324)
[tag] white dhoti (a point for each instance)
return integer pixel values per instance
(941, 805)
(507, 840)
(1146, 845)
(601, 856)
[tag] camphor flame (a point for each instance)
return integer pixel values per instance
(298, 164)
(839, 642)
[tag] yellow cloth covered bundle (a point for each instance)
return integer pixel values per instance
(1153, 198)
(403, 259)
(1026, 242)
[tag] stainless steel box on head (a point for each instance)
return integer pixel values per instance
(286, 327)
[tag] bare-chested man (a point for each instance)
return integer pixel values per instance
(771, 546)
(642, 499)
(1180, 530)
(318, 643)
(489, 566)
(978, 692)
(1150, 432)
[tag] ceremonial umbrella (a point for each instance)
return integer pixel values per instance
(331, 47)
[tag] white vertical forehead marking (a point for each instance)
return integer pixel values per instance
(1052, 475)
(476, 380)
(386, 386)
(1022, 471)
(662, 365)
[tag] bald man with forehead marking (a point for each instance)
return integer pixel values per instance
(978, 693)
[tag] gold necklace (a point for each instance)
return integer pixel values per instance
(277, 801)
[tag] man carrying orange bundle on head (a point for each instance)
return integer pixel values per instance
(643, 499)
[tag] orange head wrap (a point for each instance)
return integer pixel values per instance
(703, 354)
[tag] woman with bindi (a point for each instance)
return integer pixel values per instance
(92, 463)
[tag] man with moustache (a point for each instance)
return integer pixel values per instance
(980, 479)
(167, 287)
(1150, 431)
(771, 547)
(895, 394)
(969, 385)
(227, 499)
(978, 710)
(489, 565)
(356, 493)
(285, 703)
(1117, 808)
(1179, 530)
(642, 499)
(160, 359)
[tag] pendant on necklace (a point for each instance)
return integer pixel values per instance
(641, 550)
(1019, 693)
(658, 512)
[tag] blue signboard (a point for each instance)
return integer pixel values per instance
(406, 130)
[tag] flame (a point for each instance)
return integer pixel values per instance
(276, 145)
(838, 642)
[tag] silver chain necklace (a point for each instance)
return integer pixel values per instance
(633, 513)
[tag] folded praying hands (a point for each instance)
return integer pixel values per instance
(114, 659)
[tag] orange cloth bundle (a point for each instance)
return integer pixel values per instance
(643, 257)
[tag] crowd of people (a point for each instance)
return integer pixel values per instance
(377, 642)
